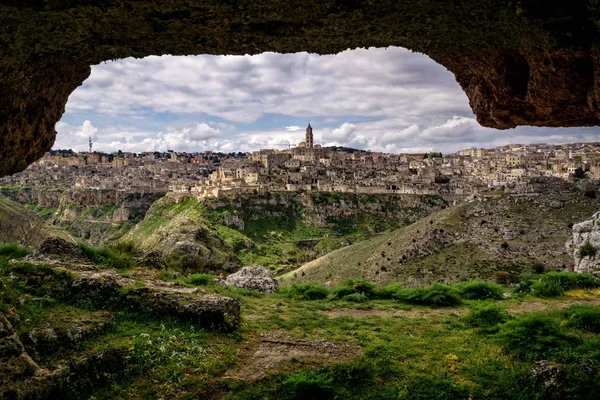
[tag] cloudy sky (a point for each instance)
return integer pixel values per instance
(389, 100)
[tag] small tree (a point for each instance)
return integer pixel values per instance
(587, 250)
(579, 173)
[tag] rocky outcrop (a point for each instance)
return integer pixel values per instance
(520, 63)
(585, 243)
(55, 246)
(110, 289)
(255, 278)
(20, 376)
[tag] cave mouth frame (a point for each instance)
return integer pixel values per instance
(46, 49)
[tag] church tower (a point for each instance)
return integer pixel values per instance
(309, 136)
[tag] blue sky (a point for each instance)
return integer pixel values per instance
(389, 100)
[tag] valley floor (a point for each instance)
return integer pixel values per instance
(300, 349)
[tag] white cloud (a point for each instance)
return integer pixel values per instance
(381, 99)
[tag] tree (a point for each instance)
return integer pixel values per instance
(579, 173)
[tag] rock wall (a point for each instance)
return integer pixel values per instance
(519, 62)
(585, 243)
(388, 211)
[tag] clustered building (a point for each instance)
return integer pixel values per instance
(310, 167)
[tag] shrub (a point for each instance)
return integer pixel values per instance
(200, 279)
(587, 250)
(501, 277)
(354, 286)
(439, 295)
(119, 255)
(523, 287)
(586, 318)
(547, 288)
(390, 291)
(356, 298)
(120, 260)
(538, 268)
(11, 251)
(533, 337)
(306, 291)
(486, 316)
(305, 385)
(477, 289)
(554, 284)
(505, 246)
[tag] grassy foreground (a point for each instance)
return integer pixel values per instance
(355, 341)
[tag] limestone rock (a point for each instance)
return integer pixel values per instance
(551, 375)
(514, 62)
(586, 233)
(56, 246)
(154, 259)
(253, 277)
(234, 221)
(187, 248)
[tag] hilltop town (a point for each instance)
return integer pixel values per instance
(311, 167)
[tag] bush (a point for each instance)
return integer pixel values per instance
(434, 295)
(439, 295)
(354, 286)
(10, 251)
(486, 316)
(538, 268)
(586, 318)
(390, 291)
(501, 277)
(306, 291)
(477, 289)
(118, 255)
(547, 288)
(305, 385)
(200, 279)
(554, 284)
(356, 298)
(534, 337)
(587, 250)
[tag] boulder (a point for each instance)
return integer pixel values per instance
(253, 277)
(55, 246)
(187, 248)
(585, 239)
(154, 259)
(550, 375)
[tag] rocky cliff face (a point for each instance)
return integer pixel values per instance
(92, 215)
(323, 210)
(518, 62)
(585, 243)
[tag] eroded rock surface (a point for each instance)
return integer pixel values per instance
(520, 63)
(255, 278)
(275, 352)
(585, 243)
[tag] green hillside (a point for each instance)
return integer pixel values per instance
(504, 232)
(279, 231)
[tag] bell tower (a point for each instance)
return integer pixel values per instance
(309, 136)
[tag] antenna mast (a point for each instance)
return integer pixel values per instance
(90, 141)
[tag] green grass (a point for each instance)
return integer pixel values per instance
(10, 251)
(119, 255)
(405, 352)
(200, 279)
